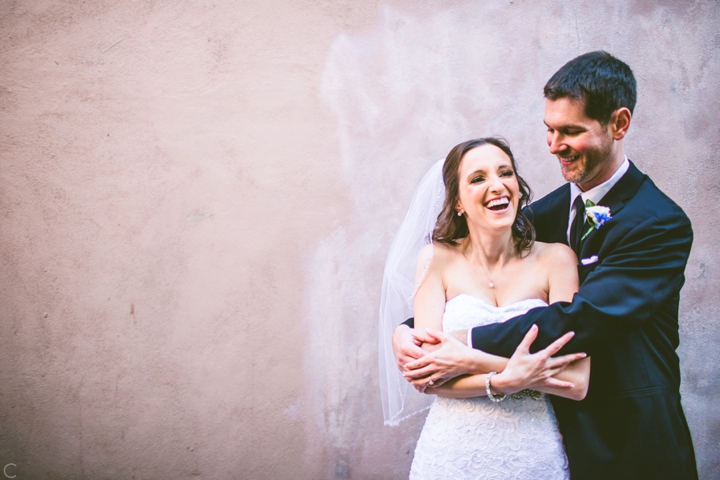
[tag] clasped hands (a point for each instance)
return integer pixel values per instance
(429, 358)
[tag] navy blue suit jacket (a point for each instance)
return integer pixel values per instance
(625, 316)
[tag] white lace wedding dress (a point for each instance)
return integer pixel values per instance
(474, 438)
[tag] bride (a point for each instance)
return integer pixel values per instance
(481, 267)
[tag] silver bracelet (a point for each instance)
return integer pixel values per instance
(496, 399)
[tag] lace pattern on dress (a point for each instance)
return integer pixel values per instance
(475, 438)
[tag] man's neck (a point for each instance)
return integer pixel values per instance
(606, 170)
(596, 193)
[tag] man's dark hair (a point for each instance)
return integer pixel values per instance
(602, 82)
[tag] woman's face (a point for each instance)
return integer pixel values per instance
(488, 188)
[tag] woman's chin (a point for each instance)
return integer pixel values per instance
(497, 225)
(506, 216)
(494, 220)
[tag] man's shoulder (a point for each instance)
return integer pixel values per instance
(554, 202)
(645, 196)
(549, 215)
(650, 200)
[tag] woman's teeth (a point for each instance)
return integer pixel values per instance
(498, 203)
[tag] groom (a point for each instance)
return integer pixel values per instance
(625, 316)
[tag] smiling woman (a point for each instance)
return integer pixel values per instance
(489, 190)
(451, 226)
(482, 267)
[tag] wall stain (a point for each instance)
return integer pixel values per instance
(196, 217)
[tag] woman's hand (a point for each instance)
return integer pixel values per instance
(407, 343)
(535, 370)
(451, 359)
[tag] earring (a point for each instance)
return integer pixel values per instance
(459, 214)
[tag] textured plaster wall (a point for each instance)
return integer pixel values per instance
(196, 201)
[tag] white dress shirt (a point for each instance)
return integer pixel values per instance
(595, 194)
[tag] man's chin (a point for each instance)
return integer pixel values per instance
(572, 175)
(569, 176)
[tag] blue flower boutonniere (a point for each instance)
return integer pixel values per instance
(597, 215)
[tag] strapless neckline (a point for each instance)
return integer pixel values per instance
(538, 301)
(467, 311)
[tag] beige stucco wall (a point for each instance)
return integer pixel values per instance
(196, 201)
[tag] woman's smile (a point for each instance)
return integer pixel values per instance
(499, 204)
(488, 191)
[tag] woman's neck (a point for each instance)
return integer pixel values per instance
(488, 250)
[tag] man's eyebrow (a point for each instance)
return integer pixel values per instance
(561, 127)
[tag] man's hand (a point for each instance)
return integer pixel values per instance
(453, 358)
(407, 342)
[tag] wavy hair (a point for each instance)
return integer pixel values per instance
(450, 227)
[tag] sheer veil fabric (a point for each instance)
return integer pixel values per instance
(400, 399)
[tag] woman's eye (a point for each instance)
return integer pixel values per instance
(507, 173)
(477, 179)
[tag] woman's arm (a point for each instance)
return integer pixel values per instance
(449, 356)
(563, 283)
(429, 301)
(429, 306)
(558, 376)
(561, 264)
(524, 370)
(464, 386)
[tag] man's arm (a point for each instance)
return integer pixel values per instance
(536, 371)
(635, 276)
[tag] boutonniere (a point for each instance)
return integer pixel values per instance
(597, 215)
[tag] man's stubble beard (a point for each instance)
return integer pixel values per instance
(592, 162)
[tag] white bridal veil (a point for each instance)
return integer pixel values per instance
(399, 397)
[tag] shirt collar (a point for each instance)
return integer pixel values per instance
(597, 193)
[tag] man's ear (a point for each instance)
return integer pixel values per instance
(620, 122)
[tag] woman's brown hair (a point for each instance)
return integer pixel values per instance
(450, 227)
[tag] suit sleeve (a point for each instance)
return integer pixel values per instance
(640, 274)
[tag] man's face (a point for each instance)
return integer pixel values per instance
(582, 145)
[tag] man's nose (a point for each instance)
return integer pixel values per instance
(554, 141)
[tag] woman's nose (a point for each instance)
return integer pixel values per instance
(496, 184)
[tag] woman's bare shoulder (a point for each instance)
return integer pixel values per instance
(439, 253)
(446, 251)
(554, 253)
